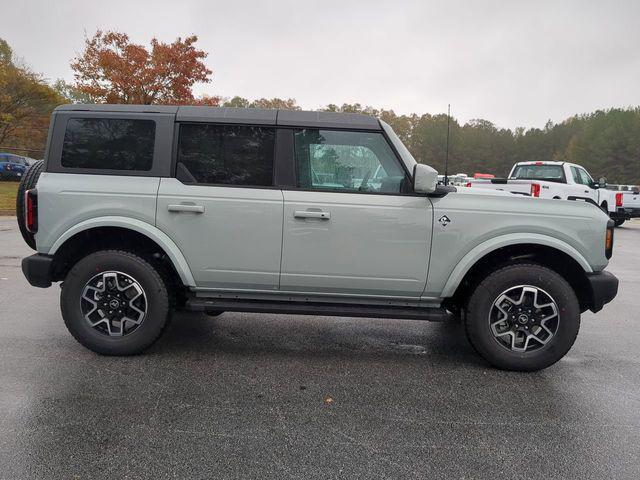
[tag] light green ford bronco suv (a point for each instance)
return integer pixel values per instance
(139, 210)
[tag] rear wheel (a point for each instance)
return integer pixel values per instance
(523, 317)
(29, 181)
(115, 303)
(619, 222)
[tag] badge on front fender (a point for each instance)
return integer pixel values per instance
(444, 221)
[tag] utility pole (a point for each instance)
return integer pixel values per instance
(446, 158)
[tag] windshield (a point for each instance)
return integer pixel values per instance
(550, 173)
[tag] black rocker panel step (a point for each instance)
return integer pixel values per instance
(317, 308)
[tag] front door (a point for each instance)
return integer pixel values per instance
(348, 227)
(584, 184)
(222, 210)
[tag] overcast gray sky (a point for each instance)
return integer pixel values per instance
(512, 62)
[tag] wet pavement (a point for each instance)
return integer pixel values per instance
(279, 396)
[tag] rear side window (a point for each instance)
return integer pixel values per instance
(108, 144)
(226, 154)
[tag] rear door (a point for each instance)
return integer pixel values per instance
(348, 226)
(222, 209)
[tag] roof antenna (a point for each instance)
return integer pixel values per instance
(446, 158)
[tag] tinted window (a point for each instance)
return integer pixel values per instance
(108, 143)
(228, 155)
(551, 173)
(346, 161)
(13, 159)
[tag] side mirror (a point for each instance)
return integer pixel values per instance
(425, 179)
(602, 182)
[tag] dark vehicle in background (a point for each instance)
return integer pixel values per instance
(13, 167)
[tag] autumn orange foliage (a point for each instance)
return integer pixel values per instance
(112, 69)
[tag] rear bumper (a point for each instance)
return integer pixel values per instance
(38, 268)
(603, 288)
(630, 212)
(620, 214)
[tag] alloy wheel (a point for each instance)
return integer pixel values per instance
(524, 318)
(114, 303)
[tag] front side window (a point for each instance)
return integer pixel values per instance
(575, 175)
(227, 154)
(346, 161)
(581, 177)
(585, 178)
(109, 144)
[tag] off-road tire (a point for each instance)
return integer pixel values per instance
(29, 181)
(150, 279)
(477, 318)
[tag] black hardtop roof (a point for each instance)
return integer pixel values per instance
(254, 116)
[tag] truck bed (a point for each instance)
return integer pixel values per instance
(518, 187)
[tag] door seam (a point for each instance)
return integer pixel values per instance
(281, 242)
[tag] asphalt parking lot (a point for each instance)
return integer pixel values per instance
(278, 396)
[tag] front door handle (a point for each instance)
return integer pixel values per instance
(312, 214)
(186, 208)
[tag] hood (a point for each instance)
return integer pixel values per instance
(484, 191)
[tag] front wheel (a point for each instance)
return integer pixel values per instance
(115, 303)
(523, 317)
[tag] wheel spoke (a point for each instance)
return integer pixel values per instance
(541, 340)
(544, 327)
(548, 317)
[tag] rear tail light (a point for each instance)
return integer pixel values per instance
(535, 189)
(31, 210)
(468, 184)
(608, 241)
(618, 199)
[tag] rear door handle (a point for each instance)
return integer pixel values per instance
(312, 214)
(186, 208)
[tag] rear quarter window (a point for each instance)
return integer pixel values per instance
(109, 144)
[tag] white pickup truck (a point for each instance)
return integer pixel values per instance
(558, 180)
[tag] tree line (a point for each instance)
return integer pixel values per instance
(112, 69)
